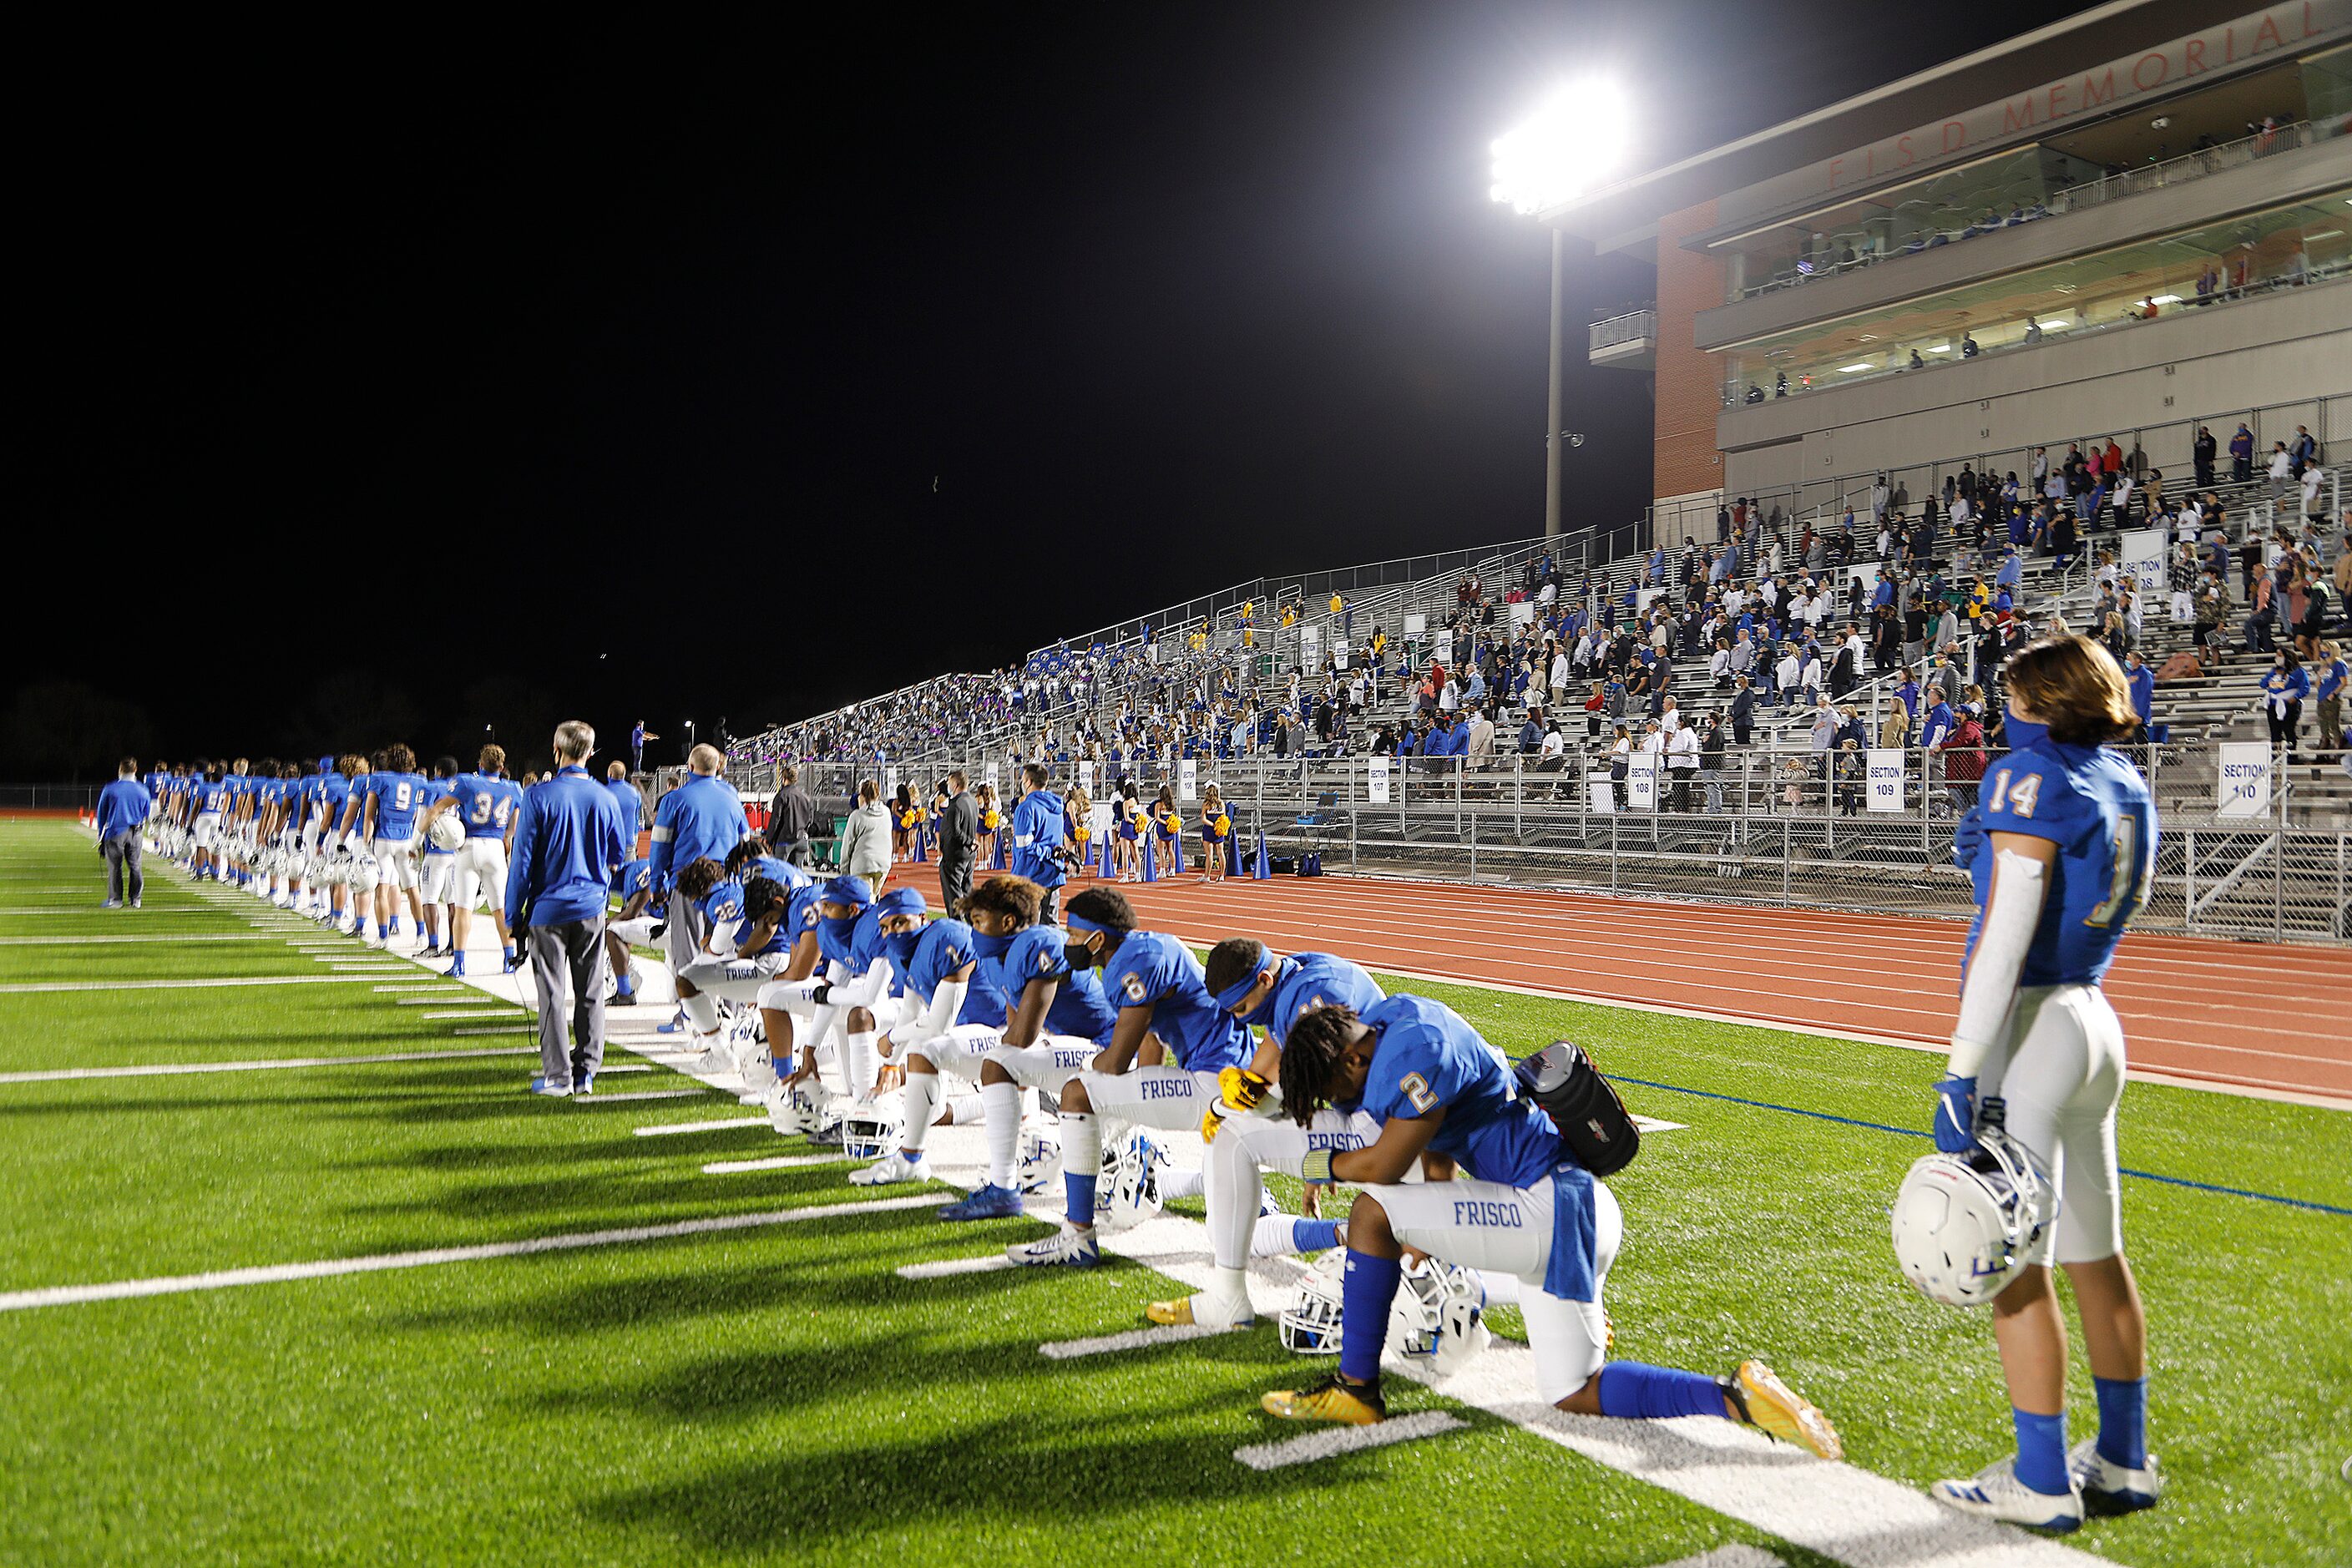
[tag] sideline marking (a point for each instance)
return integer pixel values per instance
(1728, 1557)
(474, 1012)
(504, 1029)
(1334, 1441)
(668, 1128)
(90, 940)
(62, 1075)
(381, 990)
(777, 1163)
(103, 910)
(280, 1273)
(645, 1094)
(1134, 1339)
(176, 985)
(987, 1263)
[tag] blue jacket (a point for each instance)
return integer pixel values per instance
(567, 841)
(122, 806)
(700, 818)
(1037, 832)
(2142, 682)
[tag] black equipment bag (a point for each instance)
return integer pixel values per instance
(1592, 1122)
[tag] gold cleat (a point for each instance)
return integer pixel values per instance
(1210, 1312)
(1180, 1310)
(1772, 1404)
(1333, 1399)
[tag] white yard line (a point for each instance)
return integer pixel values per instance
(776, 1163)
(95, 908)
(1133, 1339)
(1728, 1557)
(643, 1094)
(281, 1273)
(987, 1263)
(668, 1128)
(151, 936)
(173, 1070)
(501, 1029)
(474, 1012)
(176, 985)
(1333, 1441)
(388, 990)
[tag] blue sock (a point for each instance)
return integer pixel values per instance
(2041, 1451)
(1081, 1190)
(1315, 1234)
(1366, 1295)
(2123, 1421)
(1638, 1390)
(625, 988)
(383, 932)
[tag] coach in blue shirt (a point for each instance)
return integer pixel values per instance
(1038, 839)
(701, 819)
(568, 838)
(122, 806)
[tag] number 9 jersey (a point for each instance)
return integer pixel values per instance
(2093, 806)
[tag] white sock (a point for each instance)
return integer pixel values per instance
(858, 1062)
(963, 1111)
(1234, 1198)
(1081, 1150)
(703, 1010)
(922, 1104)
(1177, 1181)
(999, 1106)
(1276, 1237)
(1229, 1284)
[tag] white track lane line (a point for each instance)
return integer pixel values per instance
(669, 1129)
(44, 985)
(1333, 1441)
(776, 1163)
(173, 1070)
(1133, 1339)
(280, 1273)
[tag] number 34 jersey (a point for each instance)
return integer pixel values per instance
(2094, 805)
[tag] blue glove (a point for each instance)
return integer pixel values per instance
(1969, 839)
(1956, 1114)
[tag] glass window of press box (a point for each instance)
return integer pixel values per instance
(2295, 247)
(2195, 136)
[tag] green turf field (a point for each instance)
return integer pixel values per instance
(779, 1393)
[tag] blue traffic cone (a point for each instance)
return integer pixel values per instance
(1263, 870)
(1105, 870)
(916, 852)
(1232, 855)
(1003, 850)
(1150, 871)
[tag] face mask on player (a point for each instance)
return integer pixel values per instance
(1078, 955)
(988, 946)
(840, 925)
(902, 944)
(2023, 732)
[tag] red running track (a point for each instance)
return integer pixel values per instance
(2224, 1013)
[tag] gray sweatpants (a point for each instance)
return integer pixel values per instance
(688, 929)
(121, 853)
(567, 966)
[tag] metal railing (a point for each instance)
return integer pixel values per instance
(1633, 327)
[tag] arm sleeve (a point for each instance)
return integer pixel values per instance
(947, 1000)
(2012, 911)
(862, 991)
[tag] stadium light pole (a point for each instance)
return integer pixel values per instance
(1575, 140)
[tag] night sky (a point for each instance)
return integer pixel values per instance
(470, 371)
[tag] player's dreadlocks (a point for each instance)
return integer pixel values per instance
(700, 877)
(1310, 1058)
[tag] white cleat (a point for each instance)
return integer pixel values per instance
(759, 1071)
(1070, 1249)
(1995, 1492)
(890, 1170)
(2108, 1487)
(715, 1056)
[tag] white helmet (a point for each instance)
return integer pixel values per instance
(1965, 1224)
(364, 871)
(873, 1128)
(1436, 1320)
(445, 831)
(1127, 1190)
(802, 1109)
(1041, 1157)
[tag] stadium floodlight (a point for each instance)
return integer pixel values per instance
(1576, 137)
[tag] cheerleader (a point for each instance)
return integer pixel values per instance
(1215, 828)
(1167, 831)
(1077, 825)
(902, 823)
(991, 819)
(1125, 857)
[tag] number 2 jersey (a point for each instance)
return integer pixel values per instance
(2095, 806)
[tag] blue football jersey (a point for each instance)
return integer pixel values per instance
(791, 877)
(1151, 970)
(1312, 980)
(634, 877)
(1079, 1008)
(398, 797)
(2094, 805)
(212, 795)
(1428, 1057)
(488, 803)
(800, 916)
(864, 944)
(942, 947)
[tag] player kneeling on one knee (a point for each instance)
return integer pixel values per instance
(933, 963)
(1524, 1206)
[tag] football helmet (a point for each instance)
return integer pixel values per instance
(1965, 1223)
(1041, 1158)
(873, 1128)
(445, 831)
(1437, 1320)
(1127, 1192)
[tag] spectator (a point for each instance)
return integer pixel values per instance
(2204, 453)
(2141, 680)
(2330, 690)
(1963, 763)
(2284, 687)
(638, 736)
(959, 839)
(1895, 730)
(792, 815)
(122, 806)
(1743, 711)
(568, 842)
(2242, 459)
(1683, 761)
(866, 836)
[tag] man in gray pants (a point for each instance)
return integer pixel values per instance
(122, 808)
(568, 838)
